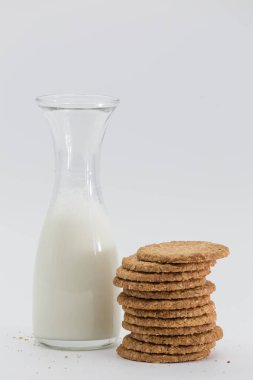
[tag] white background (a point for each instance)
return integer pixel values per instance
(177, 157)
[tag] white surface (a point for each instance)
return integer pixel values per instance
(22, 359)
(177, 157)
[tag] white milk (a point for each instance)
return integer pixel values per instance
(74, 298)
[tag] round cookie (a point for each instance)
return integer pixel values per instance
(159, 358)
(181, 313)
(132, 263)
(182, 340)
(170, 322)
(199, 291)
(155, 286)
(189, 330)
(182, 252)
(133, 344)
(138, 303)
(160, 277)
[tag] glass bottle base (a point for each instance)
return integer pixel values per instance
(77, 345)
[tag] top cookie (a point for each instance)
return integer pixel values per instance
(182, 252)
(132, 263)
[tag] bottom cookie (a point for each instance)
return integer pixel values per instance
(160, 358)
(150, 348)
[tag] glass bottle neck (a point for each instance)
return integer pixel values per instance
(77, 136)
(82, 178)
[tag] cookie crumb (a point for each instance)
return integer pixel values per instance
(228, 361)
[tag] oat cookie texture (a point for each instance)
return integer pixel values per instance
(167, 303)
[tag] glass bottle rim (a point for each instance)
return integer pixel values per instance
(77, 101)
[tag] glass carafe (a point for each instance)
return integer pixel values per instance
(74, 304)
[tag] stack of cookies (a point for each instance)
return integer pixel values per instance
(167, 304)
